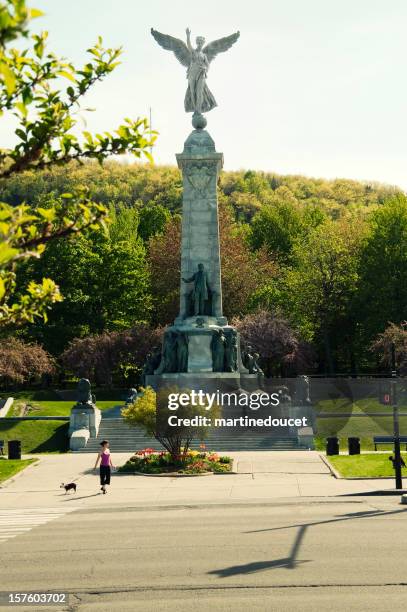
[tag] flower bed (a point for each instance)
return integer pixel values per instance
(191, 462)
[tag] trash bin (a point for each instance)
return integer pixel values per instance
(14, 449)
(354, 446)
(332, 446)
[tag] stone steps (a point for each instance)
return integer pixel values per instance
(123, 438)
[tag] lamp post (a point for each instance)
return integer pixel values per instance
(396, 428)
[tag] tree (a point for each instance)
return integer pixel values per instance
(111, 356)
(164, 260)
(46, 115)
(393, 336)
(243, 272)
(105, 281)
(322, 286)
(153, 219)
(279, 226)
(23, 235)
(150, 411)
(144, 184)
(21, 362)
(278, 345)
(383, 269)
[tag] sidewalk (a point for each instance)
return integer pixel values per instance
(261, 477)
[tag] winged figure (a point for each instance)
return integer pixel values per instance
(198, 98)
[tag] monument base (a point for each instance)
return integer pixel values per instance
(199, 352)
(85, 416)
(209, 382)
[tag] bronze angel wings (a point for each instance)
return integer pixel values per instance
(183, 54)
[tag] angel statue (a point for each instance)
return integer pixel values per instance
(198, 99)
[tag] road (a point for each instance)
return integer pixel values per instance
(327, 554)
(281, 534)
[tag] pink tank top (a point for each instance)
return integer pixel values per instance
(105, 458)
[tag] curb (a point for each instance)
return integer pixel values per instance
(170, 474)
(330, 467)
(337, 475)
(6, 407)
(36, 418)
(9, 481)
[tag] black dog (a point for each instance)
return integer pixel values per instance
(68, 487)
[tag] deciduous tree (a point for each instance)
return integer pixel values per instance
(32, 90)
(22, 362)
(280, 349)
(111, 356)
(383, 269)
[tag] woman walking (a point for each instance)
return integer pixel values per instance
(106, 464)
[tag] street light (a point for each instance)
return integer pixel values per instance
(397, 462)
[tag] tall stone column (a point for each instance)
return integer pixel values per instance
(200, 350)
(200, 165)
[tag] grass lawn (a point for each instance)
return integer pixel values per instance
(360, 427)
(53, 407)
(361, 406)
(36, 436)
(371, 465)
(9, 467)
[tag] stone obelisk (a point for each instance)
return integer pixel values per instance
(200, 165)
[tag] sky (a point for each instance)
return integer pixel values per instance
(311, 87)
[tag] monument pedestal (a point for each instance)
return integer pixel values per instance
(83, 424)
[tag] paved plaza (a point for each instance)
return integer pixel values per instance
(260, 476)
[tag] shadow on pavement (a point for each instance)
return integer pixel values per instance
(291, 561)
(74, 497)
(381, 493)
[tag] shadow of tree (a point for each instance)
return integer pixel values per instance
(58, 441)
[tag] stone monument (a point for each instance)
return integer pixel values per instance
(200, 350)
(85, 417)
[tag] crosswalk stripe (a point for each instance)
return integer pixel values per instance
(6, 529)
(41, 519)
(15, 522)
(10, 511)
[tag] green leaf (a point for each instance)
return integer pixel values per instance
(67, 75)
(47, 213)
(88, 137)
(7, 254)
(22, 108)
(34, 13)
(9, 78)
(21, 134)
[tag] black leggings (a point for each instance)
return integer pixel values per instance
(104, 475)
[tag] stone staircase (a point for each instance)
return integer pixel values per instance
(123, 438)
